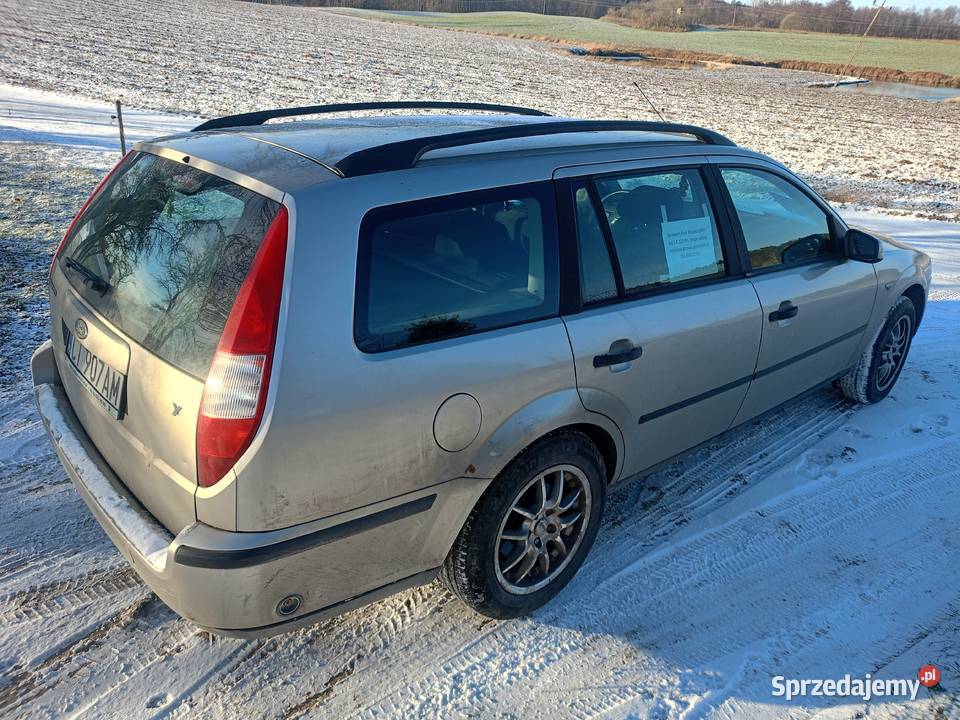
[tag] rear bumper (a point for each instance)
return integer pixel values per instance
(231, 582)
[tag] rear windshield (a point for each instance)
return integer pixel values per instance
(173, 245)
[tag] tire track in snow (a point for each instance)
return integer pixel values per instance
(795, 648)
(19, 563)
(750, 450)
(112, 656)
(78, 546)
(143, 650)
(790, 523)
(442, 631)
(174, 703)
(770, 442)
(29, 683)
(651, 587)
(664, 629)
(17, 461)
(44, 601)
(335, 649)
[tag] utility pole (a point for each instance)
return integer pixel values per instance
(860, 43)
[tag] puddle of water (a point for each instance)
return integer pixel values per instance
(670, 63)
(921, 92)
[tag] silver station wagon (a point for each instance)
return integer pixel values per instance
(298, 366)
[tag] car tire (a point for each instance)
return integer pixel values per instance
(878, 369)
(519, 519)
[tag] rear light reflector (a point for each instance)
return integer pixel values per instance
(233, 386)
(235, 392)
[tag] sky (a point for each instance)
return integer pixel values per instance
(919, 4)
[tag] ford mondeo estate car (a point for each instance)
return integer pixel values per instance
(297, 366)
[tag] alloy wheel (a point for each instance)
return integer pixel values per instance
(893, 352)
(543, 529)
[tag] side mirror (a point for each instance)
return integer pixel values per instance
(862, 247)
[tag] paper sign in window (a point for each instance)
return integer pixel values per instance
(689, 247)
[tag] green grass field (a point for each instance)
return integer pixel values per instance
(908, 55)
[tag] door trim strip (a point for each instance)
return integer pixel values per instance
(748, 378)
(808, 353)
(695, 399)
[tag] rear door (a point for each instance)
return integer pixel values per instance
(666, 331)
(816, 303)
(139, 296)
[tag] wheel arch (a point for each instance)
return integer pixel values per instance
(919, 299)
(604, 442)
(552, 413)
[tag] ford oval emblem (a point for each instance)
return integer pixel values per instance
(80, 328)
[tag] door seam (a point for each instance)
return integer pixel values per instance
(756, 361)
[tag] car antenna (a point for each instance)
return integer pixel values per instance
(637, 86)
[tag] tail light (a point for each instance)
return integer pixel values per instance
(235, 392)
(96, 191)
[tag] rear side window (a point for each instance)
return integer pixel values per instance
(662, 228)
(173, 244)
(780, 224)
(453, 266)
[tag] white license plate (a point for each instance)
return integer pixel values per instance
(102, 381)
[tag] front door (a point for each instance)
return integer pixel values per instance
(666, 335)
(816, 303)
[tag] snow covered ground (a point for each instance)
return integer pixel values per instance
(214, 57)
(32, 117)
(819, 540)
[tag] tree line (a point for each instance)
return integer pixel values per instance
(836, 16)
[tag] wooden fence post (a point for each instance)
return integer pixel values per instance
(123, 139)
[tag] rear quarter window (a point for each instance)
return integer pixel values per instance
(456, 265)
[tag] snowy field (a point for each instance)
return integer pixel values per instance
(820, 540)
(214, 57)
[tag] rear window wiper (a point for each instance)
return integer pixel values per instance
(90, 278)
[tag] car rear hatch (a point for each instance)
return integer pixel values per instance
(141, 290)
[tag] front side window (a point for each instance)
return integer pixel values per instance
(662, 228)
(780, 224)
(453, 266)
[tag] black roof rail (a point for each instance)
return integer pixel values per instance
(405, 153)
(261, 116)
